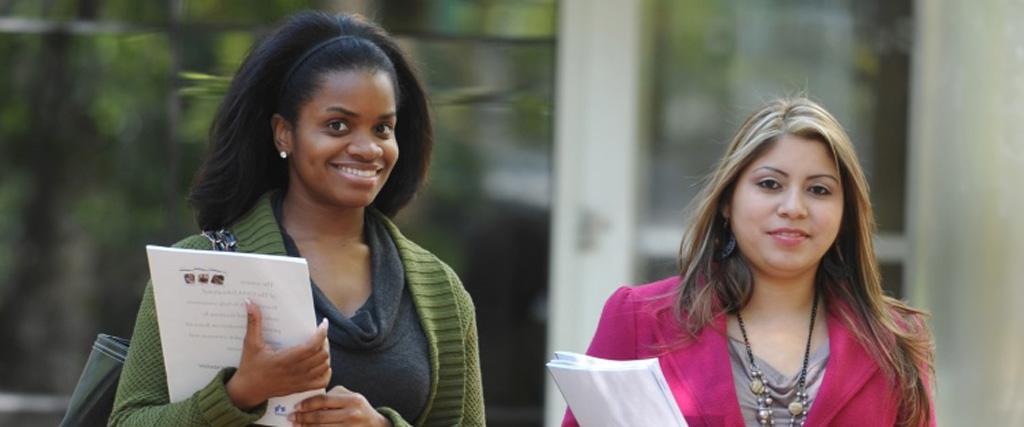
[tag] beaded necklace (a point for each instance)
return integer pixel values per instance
(797, 408)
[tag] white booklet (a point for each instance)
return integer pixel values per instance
(200, 305)
(615, 393)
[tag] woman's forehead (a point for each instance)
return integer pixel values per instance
(797, 156)
(359, 91)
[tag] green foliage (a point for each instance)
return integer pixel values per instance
(12, 194)
(91, 143)
(262, 13)
(203, 86)
(514, 19)
(230, 49)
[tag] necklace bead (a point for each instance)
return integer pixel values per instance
(757, 386)
(798, 407)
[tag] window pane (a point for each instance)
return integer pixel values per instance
(486, 207)
(717, 62)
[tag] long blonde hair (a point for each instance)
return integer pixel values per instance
(848, 275)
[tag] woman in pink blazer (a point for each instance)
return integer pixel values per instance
(778, 315)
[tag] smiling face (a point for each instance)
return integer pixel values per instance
(342, 147)
(786, 208)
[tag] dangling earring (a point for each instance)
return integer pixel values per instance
(730, 245)
(284, 154)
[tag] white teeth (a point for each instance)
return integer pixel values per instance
(358, 172)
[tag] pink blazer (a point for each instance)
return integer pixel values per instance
(638, 323)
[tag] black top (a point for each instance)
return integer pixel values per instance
(381, 351)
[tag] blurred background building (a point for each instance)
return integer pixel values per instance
(570, 137)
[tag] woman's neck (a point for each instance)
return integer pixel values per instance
(308, 220)
(781, 296)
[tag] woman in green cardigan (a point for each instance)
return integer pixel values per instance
(324, 135)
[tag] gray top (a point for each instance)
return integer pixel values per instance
(381, 351)
(782, 388)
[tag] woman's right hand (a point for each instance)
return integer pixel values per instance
(264, 372)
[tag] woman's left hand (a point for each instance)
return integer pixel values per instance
(339, 407)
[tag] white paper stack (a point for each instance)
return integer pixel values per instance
(200, 306)
(615, 393)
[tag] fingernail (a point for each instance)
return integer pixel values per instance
(248, 301)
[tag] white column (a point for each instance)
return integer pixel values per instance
(966, 204)
(597, 142)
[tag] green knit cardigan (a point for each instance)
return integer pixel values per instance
(444, 307)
